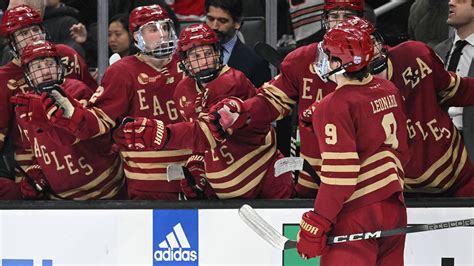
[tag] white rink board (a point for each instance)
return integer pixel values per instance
(125, 237)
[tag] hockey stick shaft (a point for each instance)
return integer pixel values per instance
(272, 236)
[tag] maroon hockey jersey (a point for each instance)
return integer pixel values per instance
(236, 167)
(77, 170)
(297, 82)
(363, 140)
(133, 88)
(12, 81)
(439, 161)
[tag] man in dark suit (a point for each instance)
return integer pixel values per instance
(461, 43)
(225, 17)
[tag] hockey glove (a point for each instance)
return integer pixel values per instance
(35, 184)
(227, 116)
(195, 185)
(312, 237)
(306, 118)
(62, 110)
(28, 107)
(145, 134)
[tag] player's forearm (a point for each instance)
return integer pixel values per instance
(330, 200)
(264, 110)
(181, 136)
(92, 125)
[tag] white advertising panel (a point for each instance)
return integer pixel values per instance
(208, 237)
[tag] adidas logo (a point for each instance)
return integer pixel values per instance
(176, 247)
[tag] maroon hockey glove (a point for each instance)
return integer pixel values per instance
(28, 107)
(306, 118)
(312, 235)
(63, 111)
(197, 188)
(34, 185)
(145, 134)
(227, 116)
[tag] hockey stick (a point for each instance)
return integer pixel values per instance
(268, 53)
(273, 237)
(271, 55)
(178, 172)
(288, 164)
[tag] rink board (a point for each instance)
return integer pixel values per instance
(198, 237)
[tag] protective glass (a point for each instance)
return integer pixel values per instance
(203, 62)
(44, 73)
(25, 36)
(157, 38)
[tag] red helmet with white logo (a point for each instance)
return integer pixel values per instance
(197, 60)
(46, 75)
(145, 14)
(19, 17)
(379, 61)
(196, 35)
(354, 5)
(353, 47)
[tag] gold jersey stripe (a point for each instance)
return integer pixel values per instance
(312, 161)
(380, 156)
(339, 181)
(155, 154)
(339, 155)
(464, 158)
(243, 175)
(133, 164)
(451, 90)
(116, 182)
(103, 127)
(280, 101)
(237, 193)
(210, 138)
(373, 187)
(238, 164)
(308, 184)
(109, 122)
(145, 176)
(378, 170)
(340, 168)
(440, 162)
(103, 176)
(448, 169)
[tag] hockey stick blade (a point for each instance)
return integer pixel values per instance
(264, 229)
(288, 164)
(268, 53)
(272, 236)
(174, 172)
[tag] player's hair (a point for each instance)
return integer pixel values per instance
(234, 7)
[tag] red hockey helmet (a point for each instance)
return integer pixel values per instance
(196, 35)
(145, 14)
(197, 59)
(42, 76)
(351, 46)
(37, 50)
(354, 5)
(379, 60)
(19, 17)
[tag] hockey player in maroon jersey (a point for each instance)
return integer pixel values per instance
(240, 167)
(64, 167)
(363, 140)
(139, 86)
(21, 25)
(299, 83)
(439, 164)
